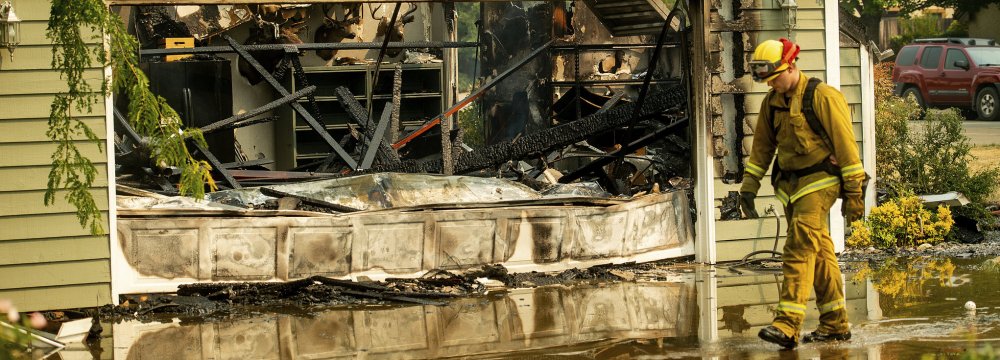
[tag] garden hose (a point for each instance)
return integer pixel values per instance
(775, 254)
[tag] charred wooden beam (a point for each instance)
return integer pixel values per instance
(555, 137)
(308, 200)
(313, 46)
(306, 116)
(234, 165)
(386, 155)
(396, 298)
(225, 123)
(375, 144)
(216, 164)
(596, 165)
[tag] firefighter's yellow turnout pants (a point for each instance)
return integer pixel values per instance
(810, 263)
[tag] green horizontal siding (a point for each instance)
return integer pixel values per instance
(33, 10)
(736, 250)
(33, 130)
(36, 106)
(47, 259)
(852, 93)
(27, 202)
(33, 32)
(60, 297)
(850, 57)
(55, 274)
(850, 75)
(35, 177)
(53, 250)
(43, 226)
(39, 153)
(43, 81)
(37, 57)
(763, 227)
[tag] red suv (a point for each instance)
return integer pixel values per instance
(951, 72)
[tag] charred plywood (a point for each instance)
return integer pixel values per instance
(391, 247)
(465, 243)
(320, 251)
(168, 253)
(398, 243)
(544, 233)
(600, 235)
(243, 253)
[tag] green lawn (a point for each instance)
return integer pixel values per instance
(986, 156)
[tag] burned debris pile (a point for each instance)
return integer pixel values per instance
(350, 116)
(236, 299)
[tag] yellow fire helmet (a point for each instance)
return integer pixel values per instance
(772, 57)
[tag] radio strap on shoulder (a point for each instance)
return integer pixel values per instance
(810, 114)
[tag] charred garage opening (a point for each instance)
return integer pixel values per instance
(539, 92)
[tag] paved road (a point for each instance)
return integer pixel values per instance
(979, 132)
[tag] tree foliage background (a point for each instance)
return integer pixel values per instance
(870, 12)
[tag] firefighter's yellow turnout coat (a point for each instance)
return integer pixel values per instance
(808, 256)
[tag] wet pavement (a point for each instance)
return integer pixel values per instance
(900, 309)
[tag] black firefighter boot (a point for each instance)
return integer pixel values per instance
(773, 335)
(817, 336)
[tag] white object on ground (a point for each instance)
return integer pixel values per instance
(952, 198)
(969, 305)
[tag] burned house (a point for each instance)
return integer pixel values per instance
(561, 92)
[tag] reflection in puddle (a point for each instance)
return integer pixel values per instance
(901, 309)
(523, 320)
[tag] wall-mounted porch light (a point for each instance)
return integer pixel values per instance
(789, 15)
(10, 28)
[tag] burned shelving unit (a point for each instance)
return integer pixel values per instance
(421, 99)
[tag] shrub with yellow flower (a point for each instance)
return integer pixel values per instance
(903, 221)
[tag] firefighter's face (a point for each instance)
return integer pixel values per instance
(785, 81)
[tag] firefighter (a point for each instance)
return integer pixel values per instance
(817, 162)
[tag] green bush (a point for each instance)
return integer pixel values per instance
(957, 29)
(933, 159)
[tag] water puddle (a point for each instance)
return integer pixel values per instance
(900, 309)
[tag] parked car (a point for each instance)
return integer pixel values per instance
(951, 72)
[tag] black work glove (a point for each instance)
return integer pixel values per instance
(746, 203)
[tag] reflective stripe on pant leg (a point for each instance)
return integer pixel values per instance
(787, 306)
(828, 282)
(832, 306)
(798, 262)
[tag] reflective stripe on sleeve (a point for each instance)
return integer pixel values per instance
(852, 170)
(755, 170)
